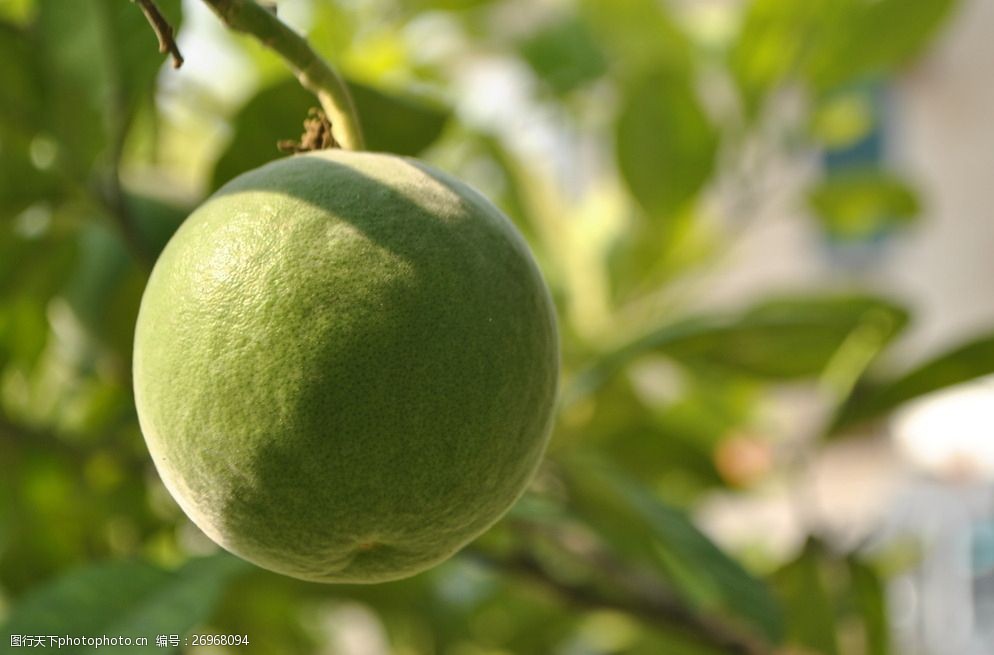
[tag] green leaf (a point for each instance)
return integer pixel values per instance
(19, 72)
(400, 124)
(666, 146)
(99, 61)
(513, 194)
(667, 446)
(32, 270)
(770, 45)
(784, 339)
(871, 604)
(101, 264)
(843, 119)
(23, 331)
(779, 339)
(853, 46)
(273, 114)
(969, 361)
(22, 182)
(155, 220)
(564, 54)
(808, 605)
(450, 5)
(27, 192)
(391, 123)
(828, 43)
(826, 597)
(863, 203)
(126, 598)
(637, 34)
(17, 11)
(105, 286)
(643, 528)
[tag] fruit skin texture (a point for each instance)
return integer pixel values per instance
(345, 366)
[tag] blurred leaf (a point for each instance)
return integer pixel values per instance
(637, 34)
(50, 516)
(21, 92)
(808, 606)
(273, 114)
(28, 194)
(966, 362)
(125, 598)
(155, 220)
(513, 196)
(853, 45)
(23, 331)
(268, 608)
(99, 60)
(828, 43)
(451, 5)
(640, 526)
(22, 182)
(17, 11)
(105, 287)
(843, 119)
(667, 448)
(391, 123)
(780, 339)
(400, 124)
(564, 54)
(769, 46)
(833, 604)
(650, 254)
(333, 26)
(789, 338)
(863, 203)
(102, 263)
(32, 270)
(871, 604)
(666, 146)
(672, 452)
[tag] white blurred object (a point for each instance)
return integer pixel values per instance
(949, 437)
(354, 629)
(939, 604)
(950, 434)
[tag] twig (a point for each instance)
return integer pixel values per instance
(658, 609)
(312, 71)
(163, 30)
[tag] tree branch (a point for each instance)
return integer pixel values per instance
(654, 607)
(312, 71)
(163, 30)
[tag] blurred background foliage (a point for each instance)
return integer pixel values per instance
(631, 142)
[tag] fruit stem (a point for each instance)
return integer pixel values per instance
(313, 72)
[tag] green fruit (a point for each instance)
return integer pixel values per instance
(345, 366)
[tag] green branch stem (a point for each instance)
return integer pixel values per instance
(313, 72)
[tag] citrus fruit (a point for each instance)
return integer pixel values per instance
(345, 366)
